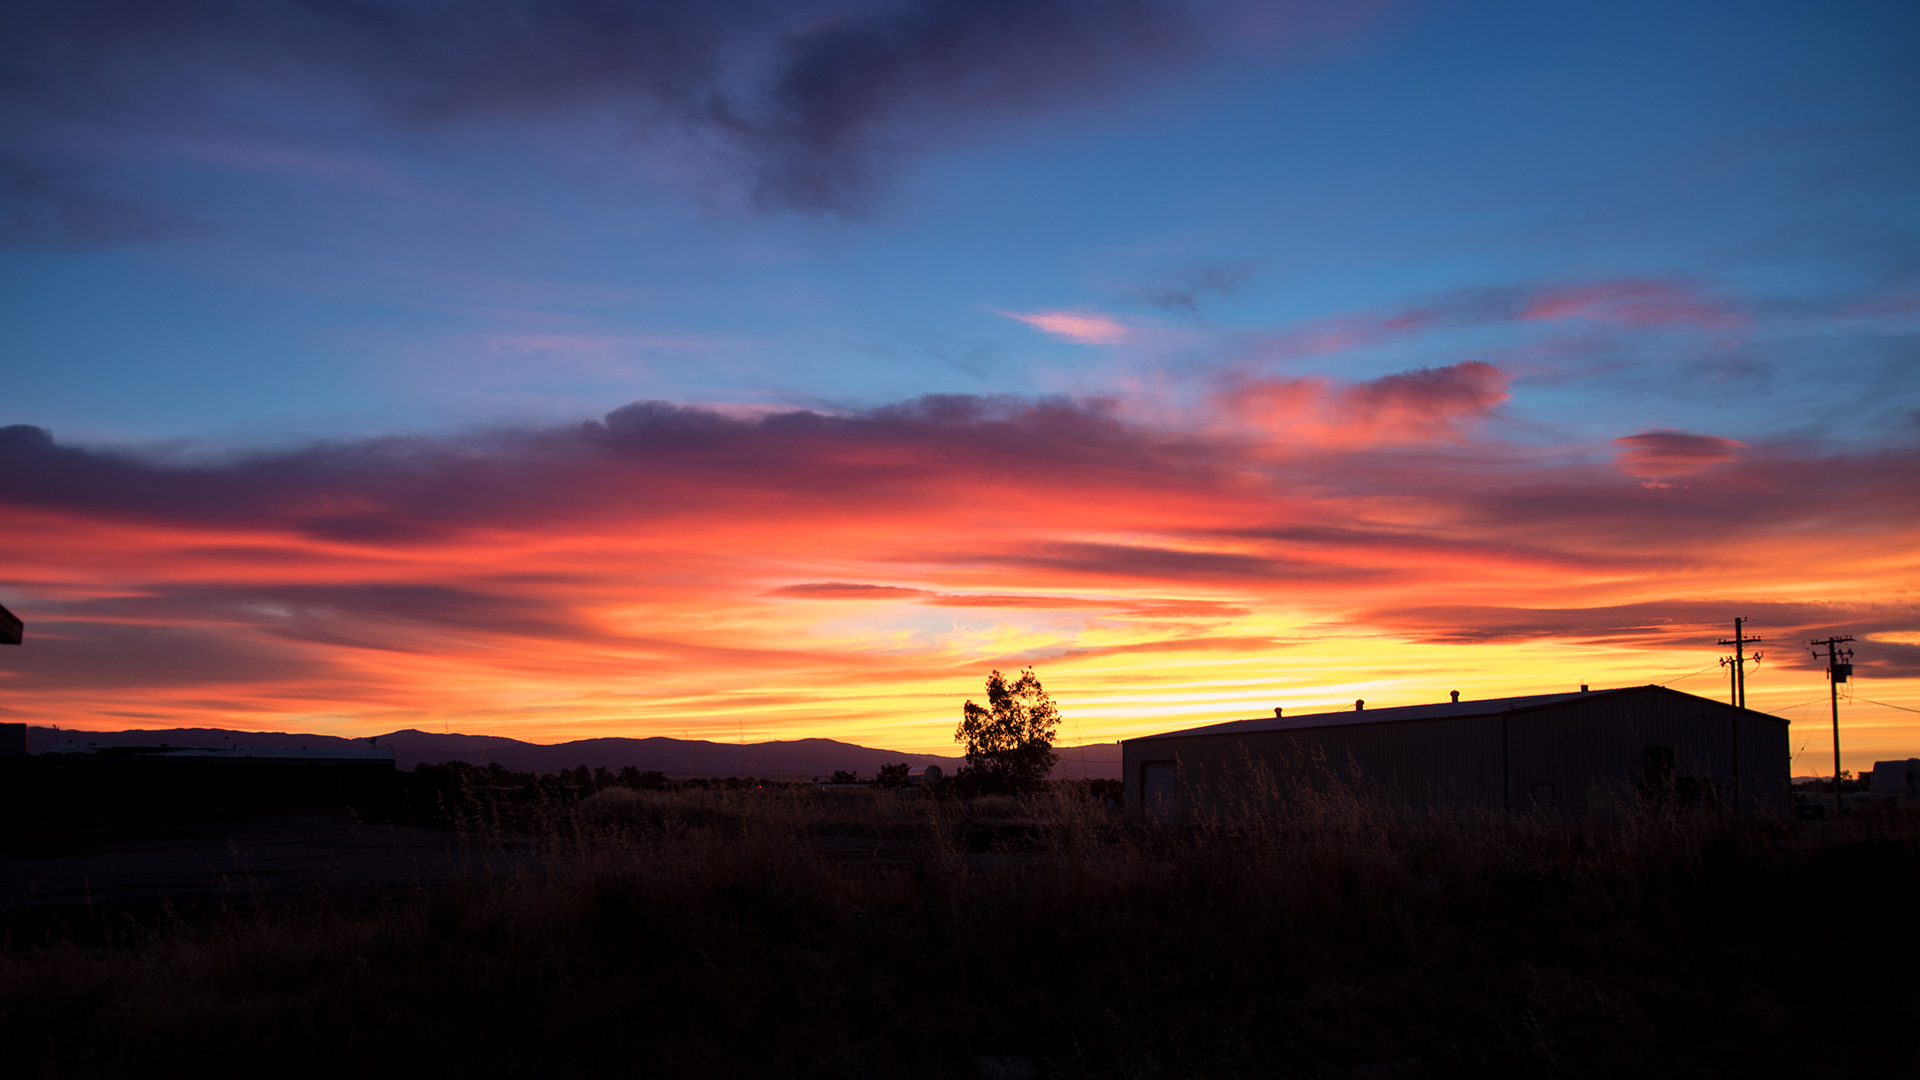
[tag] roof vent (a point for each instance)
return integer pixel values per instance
(1359, 705)
(1583, 688)
(1456, 697)
(1276, 712)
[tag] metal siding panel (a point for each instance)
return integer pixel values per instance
(1576, 746)
(1581, 746)
(1764, 772)
(1450, 764)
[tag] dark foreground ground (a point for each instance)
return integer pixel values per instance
(124, 858)
(804, 933)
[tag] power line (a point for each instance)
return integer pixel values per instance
(1684, 678)
(1795, 756)
(1883, 704)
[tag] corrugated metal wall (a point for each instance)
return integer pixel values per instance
(1552, 759)
(1430, 763)
(1564, 755)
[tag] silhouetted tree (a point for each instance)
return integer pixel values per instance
(892, 776)
(842, 776)
(1010, 741)
(580, 779)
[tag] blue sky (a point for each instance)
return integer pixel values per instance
(302, 261)
(672, 367)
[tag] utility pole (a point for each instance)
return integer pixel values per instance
(1738, 662)
(1839, 670)
(1736, 666)
(12, 631)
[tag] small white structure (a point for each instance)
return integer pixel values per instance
(1896, 781)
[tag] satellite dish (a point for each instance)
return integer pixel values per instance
(11, 628)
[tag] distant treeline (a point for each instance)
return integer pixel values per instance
(439, 792)
(457, 790)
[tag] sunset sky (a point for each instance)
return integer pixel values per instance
(752, 370)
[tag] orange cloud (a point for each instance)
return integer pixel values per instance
(667, 570)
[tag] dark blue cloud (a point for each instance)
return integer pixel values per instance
(814, 99)
(44, 209)
(401, 490)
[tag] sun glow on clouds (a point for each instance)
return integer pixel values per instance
(1429, 404)
(671, 570)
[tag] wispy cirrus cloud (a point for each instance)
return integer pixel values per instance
(1184, 294)
(1683, 621)
(1631, 304)
(1079, 327)
(1129, 606)
(45, 207)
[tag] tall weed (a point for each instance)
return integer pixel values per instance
(803, 932)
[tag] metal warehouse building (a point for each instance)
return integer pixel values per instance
(1543, 752)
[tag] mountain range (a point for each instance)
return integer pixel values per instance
(801, 759)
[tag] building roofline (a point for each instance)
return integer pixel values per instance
(1412, 714)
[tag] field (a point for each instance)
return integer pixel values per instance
(805, 932)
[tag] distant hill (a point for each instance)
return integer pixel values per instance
(1094, 761)
(789, 759)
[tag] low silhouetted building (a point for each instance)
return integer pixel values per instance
(1543, 752)
(1895, 783)
(220, 774)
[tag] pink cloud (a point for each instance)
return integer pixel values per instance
(1079, 327)
(1654, 455)
(1422, 405)
(844, 590)
(1631, 303)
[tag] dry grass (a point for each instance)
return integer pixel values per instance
(757, 933)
